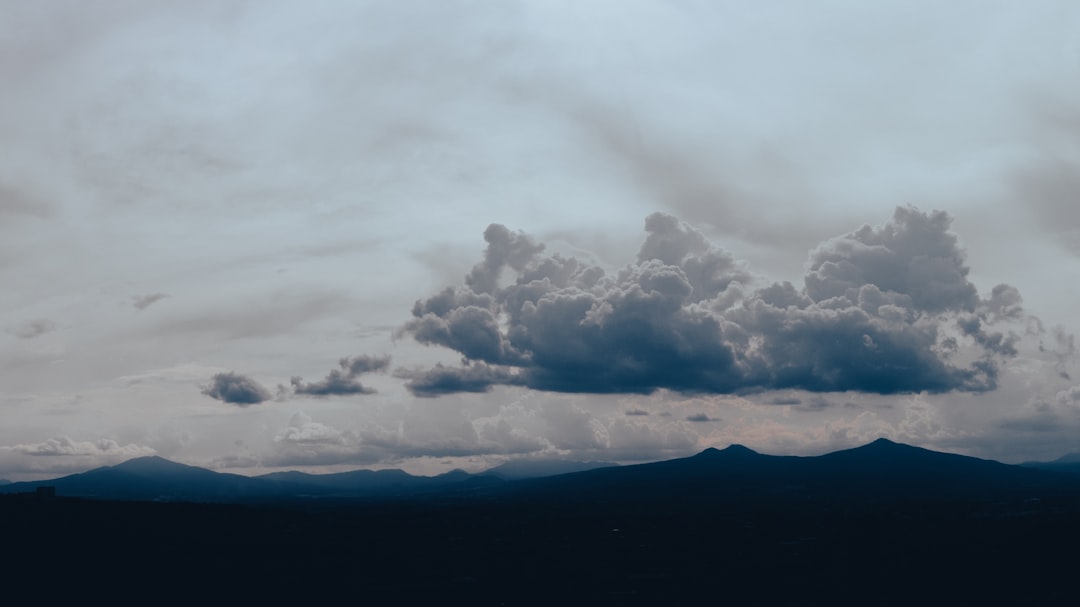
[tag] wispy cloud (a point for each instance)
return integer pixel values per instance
(143, 302)
(32, 328)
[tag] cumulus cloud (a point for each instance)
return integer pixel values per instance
(914, 257)
(32, 328)
(236, 389)
(143, 302)
(303, 431)
(885, 309)
(505, 248)
(1069, 397)
(343, 381)
(306, 442)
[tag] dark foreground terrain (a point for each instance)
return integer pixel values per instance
(548, 552)
(883, 524)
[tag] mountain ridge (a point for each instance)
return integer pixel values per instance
(881, 468)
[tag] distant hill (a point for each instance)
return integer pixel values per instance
(1069, 463)
(367, 481)
(532, 468)
(156, 478)
(4, 481)
(880, 470)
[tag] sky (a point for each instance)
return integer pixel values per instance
(427, 235)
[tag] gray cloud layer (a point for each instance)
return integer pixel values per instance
(883, 310)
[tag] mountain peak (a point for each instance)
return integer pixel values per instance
(734, 450)
(146, 460)
(884, 444)
(151, 463)
(879, 447)
(1068, 458)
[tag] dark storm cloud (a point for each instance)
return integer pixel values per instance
(32, 328)
(236, 389)
(883, 310)
(633, 412)
(143, 302)
(343, 381)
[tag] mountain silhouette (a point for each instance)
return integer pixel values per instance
(1068, 458)
(1068, 463)
(367, 481)
(880, 524)
(878, 470)
(533, 468)
(159, 479)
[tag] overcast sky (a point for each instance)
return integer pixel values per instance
(439, 234)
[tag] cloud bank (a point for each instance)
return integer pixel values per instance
(884, 310)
